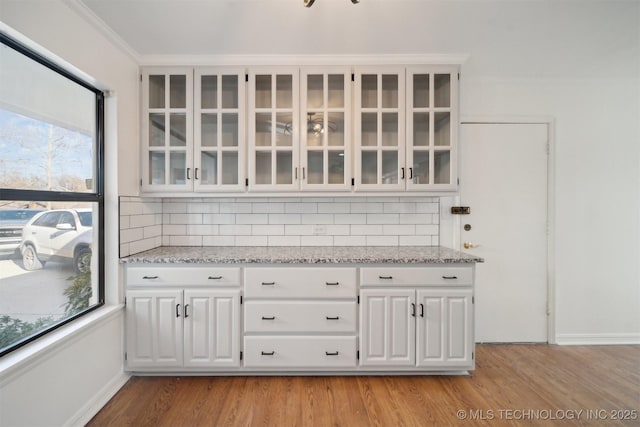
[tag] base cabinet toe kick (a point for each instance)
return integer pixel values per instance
(212, 319)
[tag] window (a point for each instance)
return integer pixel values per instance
(51, 196)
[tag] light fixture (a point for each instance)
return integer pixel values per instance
(309, 3)
(315, 127)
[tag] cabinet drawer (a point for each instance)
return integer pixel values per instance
(300, 283)
(300, 352)
(158, 275)
(416, 276)
(300, 316)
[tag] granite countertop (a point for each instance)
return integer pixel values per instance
(303, 255)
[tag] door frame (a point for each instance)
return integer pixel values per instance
(549, 121)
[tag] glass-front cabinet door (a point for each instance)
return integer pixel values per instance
(325, 137)
(167, 106)
(432, 127)
(219, 129)
(379, 128)
(274, 129)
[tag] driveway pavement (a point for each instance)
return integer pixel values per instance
(29, 295)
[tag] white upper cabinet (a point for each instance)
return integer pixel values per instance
(219, 125)
(325, 137)
(193, 129)
(379, 128)
(274, 131)
(167, 126)
(299, 129)
(432, 127)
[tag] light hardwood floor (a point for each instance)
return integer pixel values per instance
(512, 385)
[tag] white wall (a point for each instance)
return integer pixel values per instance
(63, 382)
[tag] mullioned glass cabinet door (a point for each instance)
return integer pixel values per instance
(274, 131)
(380, 128)
(432, 127)
(167, 129)
(325, 137)
(219, 128)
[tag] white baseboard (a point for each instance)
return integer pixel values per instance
(598, 339)
(97, 402)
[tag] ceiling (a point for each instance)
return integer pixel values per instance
(270, 27)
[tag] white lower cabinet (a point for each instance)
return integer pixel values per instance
(300, 318)
(408, 319)
(427, 327)
(192, 327)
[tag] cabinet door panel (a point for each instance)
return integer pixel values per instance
(167, 125)
(219, 121)
(325, 144)
(154, 328)
(432, 127)
(445, 328)
(379, 124)
(274, 130)
(212, 328)
(387, 327)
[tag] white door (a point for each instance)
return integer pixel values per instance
(503, 179)
(387, 327)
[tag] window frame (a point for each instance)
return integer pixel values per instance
(96, 196)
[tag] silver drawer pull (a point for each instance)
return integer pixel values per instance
(149, 277)
(331, 353)
(268, 283)
(268, 318)
(215, 277)
(332, 283)
(267, 353)
(385, 277)
(449, 277)
(333, 318)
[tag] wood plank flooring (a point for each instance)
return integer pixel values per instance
(512, 385)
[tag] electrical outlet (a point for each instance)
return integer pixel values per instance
(320, 230)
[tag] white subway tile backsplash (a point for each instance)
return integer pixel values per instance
(382, 218)
(236, 208)
(358, 207)
(267, 207)
(267, 230)
(415, 241)
(252, 218)
(284, 218)
(334, 208)
(223, 218)
(146, 223)
(202, 229)
(219, 240)
(382, 240)
(364, 230)
(350, 218)
(316, 240)
(417, 218)
(251, 241)
(398, 230)
(349, 241)
(283, 240)
(301, 208)
(316, 219)
(235, 230)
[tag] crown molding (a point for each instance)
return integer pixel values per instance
(83, 10)
(243, 60)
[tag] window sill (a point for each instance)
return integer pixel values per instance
(13, 363)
